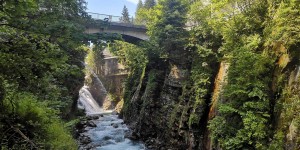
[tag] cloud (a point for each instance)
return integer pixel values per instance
(133, 1)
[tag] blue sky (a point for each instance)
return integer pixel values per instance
(111, 7)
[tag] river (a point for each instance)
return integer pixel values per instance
(106, 131)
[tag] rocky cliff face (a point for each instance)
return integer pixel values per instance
(170, 107)
(238, 86)
(287, 119)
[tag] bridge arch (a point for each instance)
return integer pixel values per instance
(131, 33)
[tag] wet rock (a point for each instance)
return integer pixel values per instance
(127, 134)
(152, 144)
(150, 147)
(133, 136)
(106, 138)
(115, 125)
(81, 124)
(80, 127)
(101, 115)
(85, 140)
(91, 124)
(92, 117)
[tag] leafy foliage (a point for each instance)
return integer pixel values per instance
(246, 110)
(132, 56)
(24, 113)
(258, 39)
(247, 104)
(41, 71)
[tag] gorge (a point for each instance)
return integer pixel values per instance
(205, 75)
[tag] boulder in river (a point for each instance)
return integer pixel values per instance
(115, 125)
(85, 140)
(94, 117)
(91, 124)
(80, 126)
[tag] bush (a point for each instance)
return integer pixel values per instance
(29, 123)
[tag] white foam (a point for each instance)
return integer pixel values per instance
(87, 102)
(112, 138)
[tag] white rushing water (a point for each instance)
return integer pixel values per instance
(109, 133)
(87, 102)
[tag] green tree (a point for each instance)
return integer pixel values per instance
(132, 56)
(245, 108)
(139, 6)
(149, 4)
(144, 13)
(258, 39)
(36, 20)
(168, 29)
(125, 15)
(41, 53)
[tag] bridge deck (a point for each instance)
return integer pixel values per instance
(115, 25)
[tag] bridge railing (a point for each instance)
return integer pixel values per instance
(109, 18)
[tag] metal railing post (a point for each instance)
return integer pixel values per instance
(110, 18)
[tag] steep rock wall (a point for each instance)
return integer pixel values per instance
(164, 111)
(169, 107)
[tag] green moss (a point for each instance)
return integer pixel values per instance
(287, 106)
(132, 83)
(193, 119)
(174, 115)
(149, 92)
(277, 142)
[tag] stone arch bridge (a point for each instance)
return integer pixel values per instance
(130, 32)
(112, 72)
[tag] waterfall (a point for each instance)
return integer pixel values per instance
(87, 102)
(107, 131)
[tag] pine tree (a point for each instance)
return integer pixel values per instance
(149, 4)
(125, 15)
(139, 5)
(139, 13)
(169, 31)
